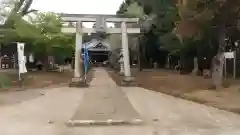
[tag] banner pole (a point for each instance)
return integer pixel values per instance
(21, 62)
(85, 63)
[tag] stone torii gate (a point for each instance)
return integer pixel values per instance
(101, 27)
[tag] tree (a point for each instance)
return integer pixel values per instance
(128, 8)
(18, 9)
(196, 16)
(40, 31)
(198, 19)
(52, 41)
(157, 23)
(12, 13)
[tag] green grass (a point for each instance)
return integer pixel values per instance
(5, 80)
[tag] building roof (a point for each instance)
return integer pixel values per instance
(96, 45)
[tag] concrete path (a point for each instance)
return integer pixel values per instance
(162, 114)
(9, 98)
(104, 104)
(174, 116)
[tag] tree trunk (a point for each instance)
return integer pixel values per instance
(218, 61)
(22, 4)
(217, 70)
(195, 68)
(167, 66)
(181, 65)
(138, 53)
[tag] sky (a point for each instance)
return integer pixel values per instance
(78, 6)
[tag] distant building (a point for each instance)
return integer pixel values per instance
(98, 50)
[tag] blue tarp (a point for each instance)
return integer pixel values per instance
(86, 59)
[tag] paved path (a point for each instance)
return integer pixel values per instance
(162, 114)
(9, 98)
(104, 103)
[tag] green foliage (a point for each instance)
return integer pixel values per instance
(122, 8)
(167, 15)
(25, 30)
(171, 43)
(165, 22)
(156, 6)
(5, 80)
(195, 20)
(49, 24)
(40, 31)
(12, 11)
(134, 10)
(130, 8)
(208, 12)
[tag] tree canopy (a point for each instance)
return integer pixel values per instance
(185, 19)
(40, 31)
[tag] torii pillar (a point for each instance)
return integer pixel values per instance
(78, 79)
(100, 27)
(126, 61)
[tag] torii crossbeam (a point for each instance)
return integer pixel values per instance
(101, 21)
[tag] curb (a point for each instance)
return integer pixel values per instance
(102, 123)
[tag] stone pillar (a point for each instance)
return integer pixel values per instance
(168, 63)
(195, 69)
(121, 66)
(78, 80)
(127, 72)
(78, 46)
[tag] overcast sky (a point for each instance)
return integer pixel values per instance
(77, 6)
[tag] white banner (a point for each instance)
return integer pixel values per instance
(21, 58)
(229, 55)
(31, 58)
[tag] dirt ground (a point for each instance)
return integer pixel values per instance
(36, 79)
(194, 88)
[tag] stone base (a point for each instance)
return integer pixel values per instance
(128, 81)
(74, 123)
(120, 73)
(78, 83)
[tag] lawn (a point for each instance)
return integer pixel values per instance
(32, 80)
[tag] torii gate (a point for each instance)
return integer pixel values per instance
(101, 21)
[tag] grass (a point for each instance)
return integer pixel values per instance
(6, 80)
